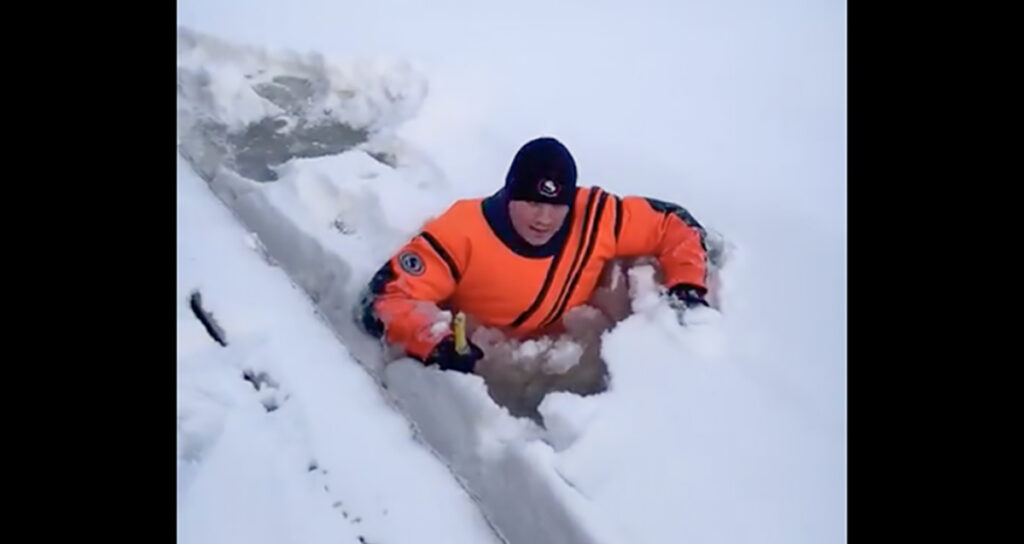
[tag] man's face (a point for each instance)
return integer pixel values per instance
(536, 222)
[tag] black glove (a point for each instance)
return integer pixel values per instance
(688, 295)
(445, 356)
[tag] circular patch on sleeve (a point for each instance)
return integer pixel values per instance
(411, 263)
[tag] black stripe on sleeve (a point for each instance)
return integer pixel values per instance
(444, 255)
(618, 217)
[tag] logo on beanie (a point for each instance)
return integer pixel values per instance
(548, 188)
(411, 263)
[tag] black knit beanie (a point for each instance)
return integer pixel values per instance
(542, 171)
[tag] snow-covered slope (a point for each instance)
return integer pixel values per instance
(281, 437)
(728, 431)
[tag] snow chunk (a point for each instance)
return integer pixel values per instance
(566, 417)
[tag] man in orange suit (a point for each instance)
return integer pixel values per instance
(521, 258)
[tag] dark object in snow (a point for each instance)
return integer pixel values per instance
(688, 296)
(260, 382)
(685, 297)
(212, 328)
(445, 356)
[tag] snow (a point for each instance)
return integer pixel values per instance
(243, 471)
(730, 429)
(239, 89)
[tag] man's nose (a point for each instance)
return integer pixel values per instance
(546, 215)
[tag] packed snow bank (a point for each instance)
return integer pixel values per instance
(282, 437)
(505, 461)
(666, 456)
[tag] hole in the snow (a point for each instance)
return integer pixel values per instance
(266, 386)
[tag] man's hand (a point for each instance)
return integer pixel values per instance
(683, 298)
(445, 356)
(687, 296)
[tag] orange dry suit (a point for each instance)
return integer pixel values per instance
(471, 259)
